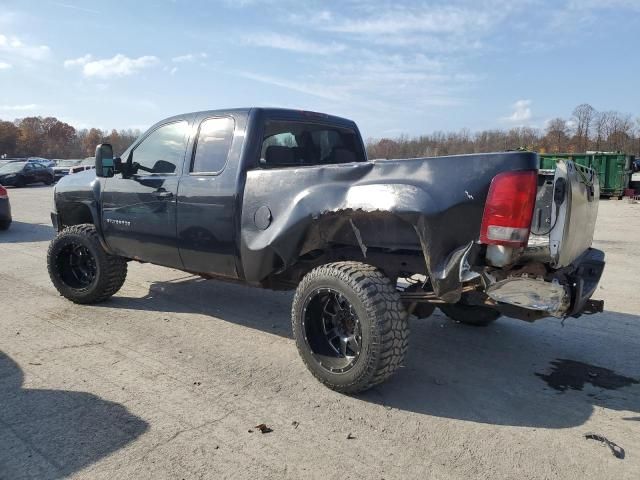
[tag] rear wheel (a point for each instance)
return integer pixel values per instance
(470, 314)
(20, 183)
(349, 325)
(80, 269)
(5, 224)
(49, 180)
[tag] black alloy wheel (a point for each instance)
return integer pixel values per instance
(332, 330)
(76, 266)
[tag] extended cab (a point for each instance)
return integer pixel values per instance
(287, 199)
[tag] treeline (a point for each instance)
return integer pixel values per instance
(586, 129)
(49, 137)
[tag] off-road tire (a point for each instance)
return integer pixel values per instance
(5, 224)
(474, 315)
(382, 317)
(111, 270)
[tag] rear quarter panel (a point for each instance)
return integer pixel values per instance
(433, 205)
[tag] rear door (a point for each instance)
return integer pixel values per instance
(139, 212)
(40, 172)
(207, 197)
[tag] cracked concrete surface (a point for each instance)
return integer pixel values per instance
(166, 380)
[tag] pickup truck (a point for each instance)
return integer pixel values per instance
(286, 199)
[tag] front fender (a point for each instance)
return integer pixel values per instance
(77, 199)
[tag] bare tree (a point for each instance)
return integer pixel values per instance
(557, 135)
(620, 131)
(583, 115)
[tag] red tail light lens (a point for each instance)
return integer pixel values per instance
(509, 209)
(3, 192)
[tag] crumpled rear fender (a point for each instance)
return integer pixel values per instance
(432, 206)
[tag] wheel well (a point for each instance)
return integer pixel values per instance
(75, 214)
(393, 263)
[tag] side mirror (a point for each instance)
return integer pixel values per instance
(104, 160)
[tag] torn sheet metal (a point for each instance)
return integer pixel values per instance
(356, 232)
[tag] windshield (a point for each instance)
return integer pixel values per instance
(12, 167)
(68, 163)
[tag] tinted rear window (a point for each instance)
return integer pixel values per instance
(300, 144)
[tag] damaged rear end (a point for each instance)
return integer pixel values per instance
(480, 230)
(538, 230)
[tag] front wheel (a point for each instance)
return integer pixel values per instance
(80, 269)
(474, 315)
(349, 325)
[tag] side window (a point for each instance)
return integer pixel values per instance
(291, 143)
(212, 148)
(163, 150)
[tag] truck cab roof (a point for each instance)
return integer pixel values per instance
(269, 113)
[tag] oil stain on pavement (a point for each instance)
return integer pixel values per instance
(572, 374)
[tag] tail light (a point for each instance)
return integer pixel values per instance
(509, 209)
(3, 192)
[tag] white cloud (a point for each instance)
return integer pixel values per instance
(117, 66)
(78, 62)
(13, 46)
(579, 14)
(293, 44)
(189, 57)
(436, 28)
(406, 20)
(317, 90)
(5, 66)
(18, 108)
(521, 113)
(75, 7)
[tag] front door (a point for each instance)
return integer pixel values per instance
(139, 211)
(30, 174)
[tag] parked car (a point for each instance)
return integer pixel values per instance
(5, 209)
(86, 164)
(63, 167)
(285, 199)
(43, 161)
(19, 174)
(4, 161)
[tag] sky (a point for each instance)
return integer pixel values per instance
(395, 67)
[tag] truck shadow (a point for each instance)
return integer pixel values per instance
(514, 373)
(510, 373)
(21, 232)
(49, 434)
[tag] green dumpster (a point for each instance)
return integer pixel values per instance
(614, 172)
(548, 160)
(613, 168)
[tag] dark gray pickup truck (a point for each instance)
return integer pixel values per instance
(286, 199)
